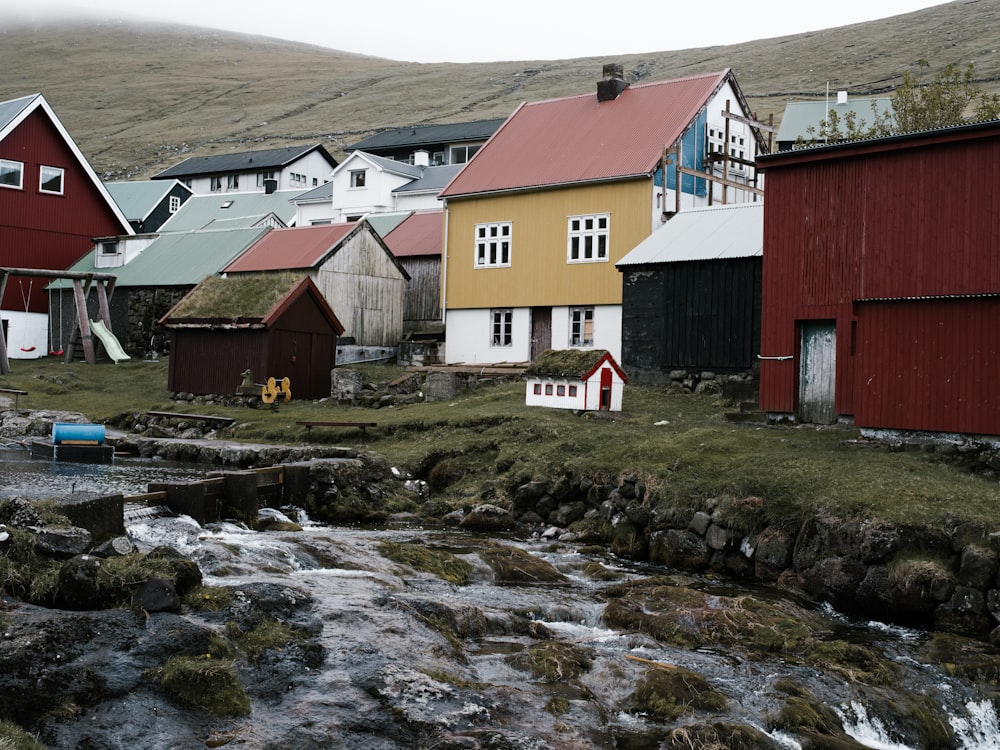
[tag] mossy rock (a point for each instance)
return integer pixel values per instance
(670, 611)
(718, 735)
(514, 565)
(12, 737)
(443, 564)
(965, 657)
(854, 662)
(667, 693)
(556, 661)
(207, 683)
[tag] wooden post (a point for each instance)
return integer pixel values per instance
(84, 321)
(725, 157)
(4, 362)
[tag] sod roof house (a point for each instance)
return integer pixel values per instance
(274, 325)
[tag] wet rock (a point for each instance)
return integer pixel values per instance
(488, 518)
(528, 494)
(772, 553)
(157, 595)
(79, 587)
(680, 549)
(62, 542)
(513, 565)
(117, 547)
(567, 513)
(977, 567)
(965, 613)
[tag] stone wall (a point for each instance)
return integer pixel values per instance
(943, 577)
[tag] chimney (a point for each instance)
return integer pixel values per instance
(421, 158)
(613, 84)
(841, 97)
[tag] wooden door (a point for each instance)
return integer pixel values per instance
(818, 372)
(605, 389)
(541, 330)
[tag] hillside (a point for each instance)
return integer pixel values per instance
(138, 98)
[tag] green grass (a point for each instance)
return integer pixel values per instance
(678, 443)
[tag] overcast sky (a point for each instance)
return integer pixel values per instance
(462, 31)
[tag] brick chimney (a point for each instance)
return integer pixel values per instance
(613, 84)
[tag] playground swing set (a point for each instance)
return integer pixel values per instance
(86, 328)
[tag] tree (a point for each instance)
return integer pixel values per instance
(943, 101)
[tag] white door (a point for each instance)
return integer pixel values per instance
(818, 373)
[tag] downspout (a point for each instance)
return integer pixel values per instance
(444, 266)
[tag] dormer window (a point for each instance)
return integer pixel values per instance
(358, 178)
(109, 248)
(175, 204)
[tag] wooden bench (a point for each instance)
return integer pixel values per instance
(360, 425)
(224, 421)
(16, 393)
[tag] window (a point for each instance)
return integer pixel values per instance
(233, 182)
(109, 248)
(548, 389)
(175, 204)
(11, 173)
(538, 389)
(588, 238)
(493, 244)
(572, 391)
(503, 327)
(358, 177)
(261, 176)
(581, 326)
(461, 154)
(50, 180)
(216, 184)
(296, 178)
(560, 390)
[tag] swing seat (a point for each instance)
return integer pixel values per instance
(27, 348)
(56, 353)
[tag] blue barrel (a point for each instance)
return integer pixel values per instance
(71, 432)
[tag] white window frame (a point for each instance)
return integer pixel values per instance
(262, 176)
(52, 172)
(501, 328)
(174, 204)
(10, 166)
(232, 182)
(110, 248)
(359, 179)
(493, 244)
(215, 183)
(581, 327)
(588, 238)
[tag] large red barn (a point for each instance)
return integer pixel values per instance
(52, 205)
(881, 282)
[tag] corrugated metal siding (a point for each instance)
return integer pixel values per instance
(703, 315)
(539, 274)
(230, 353)
(929, 365)
(38, 230)
(903, 221)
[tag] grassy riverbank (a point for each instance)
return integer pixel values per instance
(679, 443)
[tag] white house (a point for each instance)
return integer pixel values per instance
(294, 168)
(584, 380)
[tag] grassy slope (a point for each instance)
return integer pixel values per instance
(679, 443)
(138, 99)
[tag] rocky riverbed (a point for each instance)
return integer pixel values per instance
(546, 613)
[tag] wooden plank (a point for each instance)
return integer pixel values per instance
(309, 424)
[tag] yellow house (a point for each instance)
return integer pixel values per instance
(535, 222)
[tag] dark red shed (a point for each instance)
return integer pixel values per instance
(881, 282)
(275, 325)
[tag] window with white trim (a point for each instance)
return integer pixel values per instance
(588, 238)
(493, 244)
(215, 184)
(502, 328)
(175, 204)
(262, 176)
(358, 178)
(462, 154)
(50, 180)
(11, 174)
(232, 182)
(581, 326)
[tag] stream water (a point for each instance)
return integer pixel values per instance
(370, 636)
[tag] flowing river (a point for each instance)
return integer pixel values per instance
(379, 654)
(409, 660)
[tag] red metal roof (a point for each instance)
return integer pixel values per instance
(292, 248)
(579, 139)
(418, 234)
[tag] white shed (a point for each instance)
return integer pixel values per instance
(582, 379)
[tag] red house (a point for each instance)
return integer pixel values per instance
(881, 283)
(52, 205)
